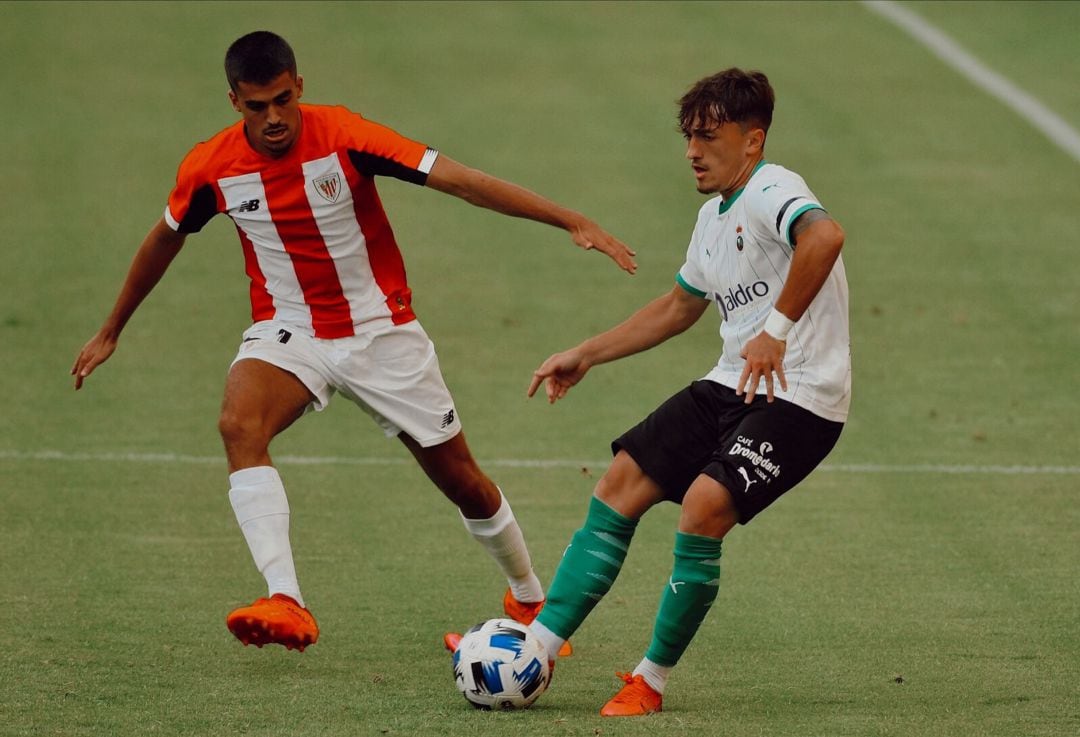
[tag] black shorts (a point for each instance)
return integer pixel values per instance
(757, 451)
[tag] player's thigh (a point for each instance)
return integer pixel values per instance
(261, 399)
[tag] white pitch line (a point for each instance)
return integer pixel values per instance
(949, 469)
(1046, 121)
(177, 458)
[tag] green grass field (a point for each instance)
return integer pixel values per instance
(913, 586)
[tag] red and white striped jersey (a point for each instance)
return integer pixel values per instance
(318, 247)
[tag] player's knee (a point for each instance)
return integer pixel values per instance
(625, 488)
(239, 430)
(708, 509)
(608, 488)
(473, 489)
(474, 493)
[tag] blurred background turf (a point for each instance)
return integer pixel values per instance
(960, 254)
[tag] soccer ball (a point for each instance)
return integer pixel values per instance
(501, 664)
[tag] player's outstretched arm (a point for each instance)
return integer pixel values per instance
(663, 318)
(152, 259)
(484, 190)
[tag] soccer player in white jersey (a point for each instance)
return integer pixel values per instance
(331, 309)
(765, 251)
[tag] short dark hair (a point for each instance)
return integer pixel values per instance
(730, 96)
(258, 58)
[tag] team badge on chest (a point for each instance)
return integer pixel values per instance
(328, 187)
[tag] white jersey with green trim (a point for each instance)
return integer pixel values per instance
(739, 257)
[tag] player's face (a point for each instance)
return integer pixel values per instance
(271, 112)
(722, 156)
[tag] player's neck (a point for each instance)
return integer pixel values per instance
(743, 178)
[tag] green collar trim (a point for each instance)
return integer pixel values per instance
(726, 204)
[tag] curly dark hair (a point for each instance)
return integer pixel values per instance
(730, 96)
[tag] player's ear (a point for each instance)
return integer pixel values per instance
(299, 86)
(234, 100)
(755, 141)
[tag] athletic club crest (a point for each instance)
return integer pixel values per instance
(328, 187)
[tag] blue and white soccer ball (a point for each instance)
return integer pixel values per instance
(501, 664)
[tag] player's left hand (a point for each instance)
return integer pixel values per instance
(764, 357)
(590, 236)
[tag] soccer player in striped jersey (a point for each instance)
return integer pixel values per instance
(331, 310)
(726, 447)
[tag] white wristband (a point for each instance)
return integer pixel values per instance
(778, 325)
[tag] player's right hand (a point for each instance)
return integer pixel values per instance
(764, 356)
(94, 353)
(558, 373)
(590, 236)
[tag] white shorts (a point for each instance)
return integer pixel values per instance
(392, 374)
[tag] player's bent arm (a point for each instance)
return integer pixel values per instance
(151, 261)
(663, 318)
(483, 190)
(818, 241)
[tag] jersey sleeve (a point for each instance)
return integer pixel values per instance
(780, 200)
(376, 150)
(193, 201)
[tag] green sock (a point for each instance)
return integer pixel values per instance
(691, 590)
(588, 568)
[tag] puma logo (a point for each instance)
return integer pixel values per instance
(747, 479)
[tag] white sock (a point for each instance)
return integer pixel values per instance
(655, 675)
(502, 539)
(552, 642)
(262, 510)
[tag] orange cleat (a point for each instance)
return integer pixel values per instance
(635, 699)
(525, 612)
(278, 620)
(452, 641)
(521, 611)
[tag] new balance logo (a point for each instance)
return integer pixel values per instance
(447, 419)
(674, 585)
(249, 205)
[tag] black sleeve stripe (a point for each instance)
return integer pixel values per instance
(203, 207)
(784, 209)
(371, 165)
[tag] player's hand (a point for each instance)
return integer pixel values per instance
(590, 236)
(764, 357)
(93, 354)
(560, 372)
